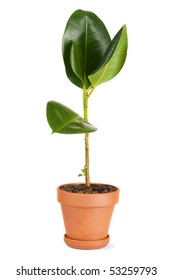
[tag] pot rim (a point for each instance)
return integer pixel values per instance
(87, 200)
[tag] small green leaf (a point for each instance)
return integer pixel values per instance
(84, 171)
(63, 120)
(113, 59)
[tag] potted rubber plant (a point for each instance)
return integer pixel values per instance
(91, 58)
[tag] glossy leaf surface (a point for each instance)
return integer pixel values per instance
(113, 59)
(76, 61)
(63, 120)
(87, 33)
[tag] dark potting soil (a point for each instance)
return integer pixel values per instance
(93, 189)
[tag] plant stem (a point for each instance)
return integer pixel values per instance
(85, 106)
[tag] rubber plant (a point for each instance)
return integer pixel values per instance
(91, 58)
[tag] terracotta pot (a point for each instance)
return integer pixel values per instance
(87, 218)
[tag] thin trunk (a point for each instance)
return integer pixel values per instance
(85, 104)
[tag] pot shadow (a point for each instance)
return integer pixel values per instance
(109, 247)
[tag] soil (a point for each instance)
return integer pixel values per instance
(93, 189)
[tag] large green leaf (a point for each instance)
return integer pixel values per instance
(84, 31)
(63, 120)
(113, 59)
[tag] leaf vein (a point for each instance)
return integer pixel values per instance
(70, 121)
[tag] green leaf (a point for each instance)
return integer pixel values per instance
(76, 61)
(84, 31)
(63, 120)
(113, 59)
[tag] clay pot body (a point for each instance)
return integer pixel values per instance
(87, 218)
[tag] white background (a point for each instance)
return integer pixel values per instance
(133, 147)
